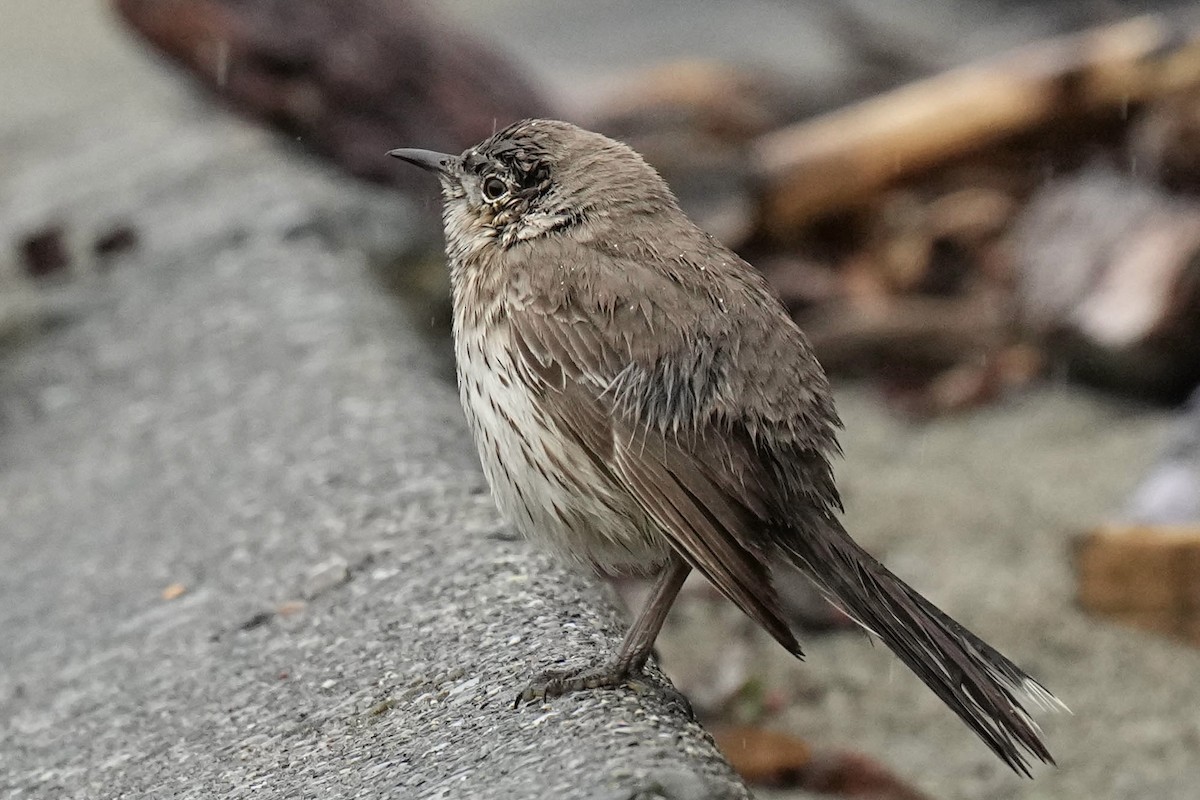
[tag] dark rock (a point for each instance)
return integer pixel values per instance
(118, 239)
(44, 252)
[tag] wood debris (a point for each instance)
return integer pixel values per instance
(910, 233)
(955, 235)
(1143, 576)
(848, 156)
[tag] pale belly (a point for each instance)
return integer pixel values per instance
(546, 486)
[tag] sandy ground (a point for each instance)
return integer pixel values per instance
(976, 511)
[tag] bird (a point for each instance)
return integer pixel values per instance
(642, 403)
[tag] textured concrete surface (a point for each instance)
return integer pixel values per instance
(236, 407)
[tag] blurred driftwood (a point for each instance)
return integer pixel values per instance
(1108, 278)
(1146, 577)
(844, 158)
(929, 246)
(351, 79)
(923, 332)
(1145, 572)
(918, 236)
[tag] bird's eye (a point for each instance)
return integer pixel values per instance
(494, 188)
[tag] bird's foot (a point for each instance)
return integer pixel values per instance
(557, 682)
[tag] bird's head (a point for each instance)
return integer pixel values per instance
(540, 178)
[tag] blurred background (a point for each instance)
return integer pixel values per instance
(985, 214)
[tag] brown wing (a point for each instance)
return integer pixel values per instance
(699, 490)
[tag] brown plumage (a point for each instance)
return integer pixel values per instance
(642, 402)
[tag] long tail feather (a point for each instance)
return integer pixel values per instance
(987, 691)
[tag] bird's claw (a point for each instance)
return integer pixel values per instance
(557, 682)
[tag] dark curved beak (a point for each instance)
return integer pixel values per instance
(425, 159)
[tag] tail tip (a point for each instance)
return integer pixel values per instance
(1042, 697)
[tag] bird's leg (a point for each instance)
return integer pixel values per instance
(635, 648)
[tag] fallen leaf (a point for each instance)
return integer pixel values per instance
(766, 758)
(843, 774)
